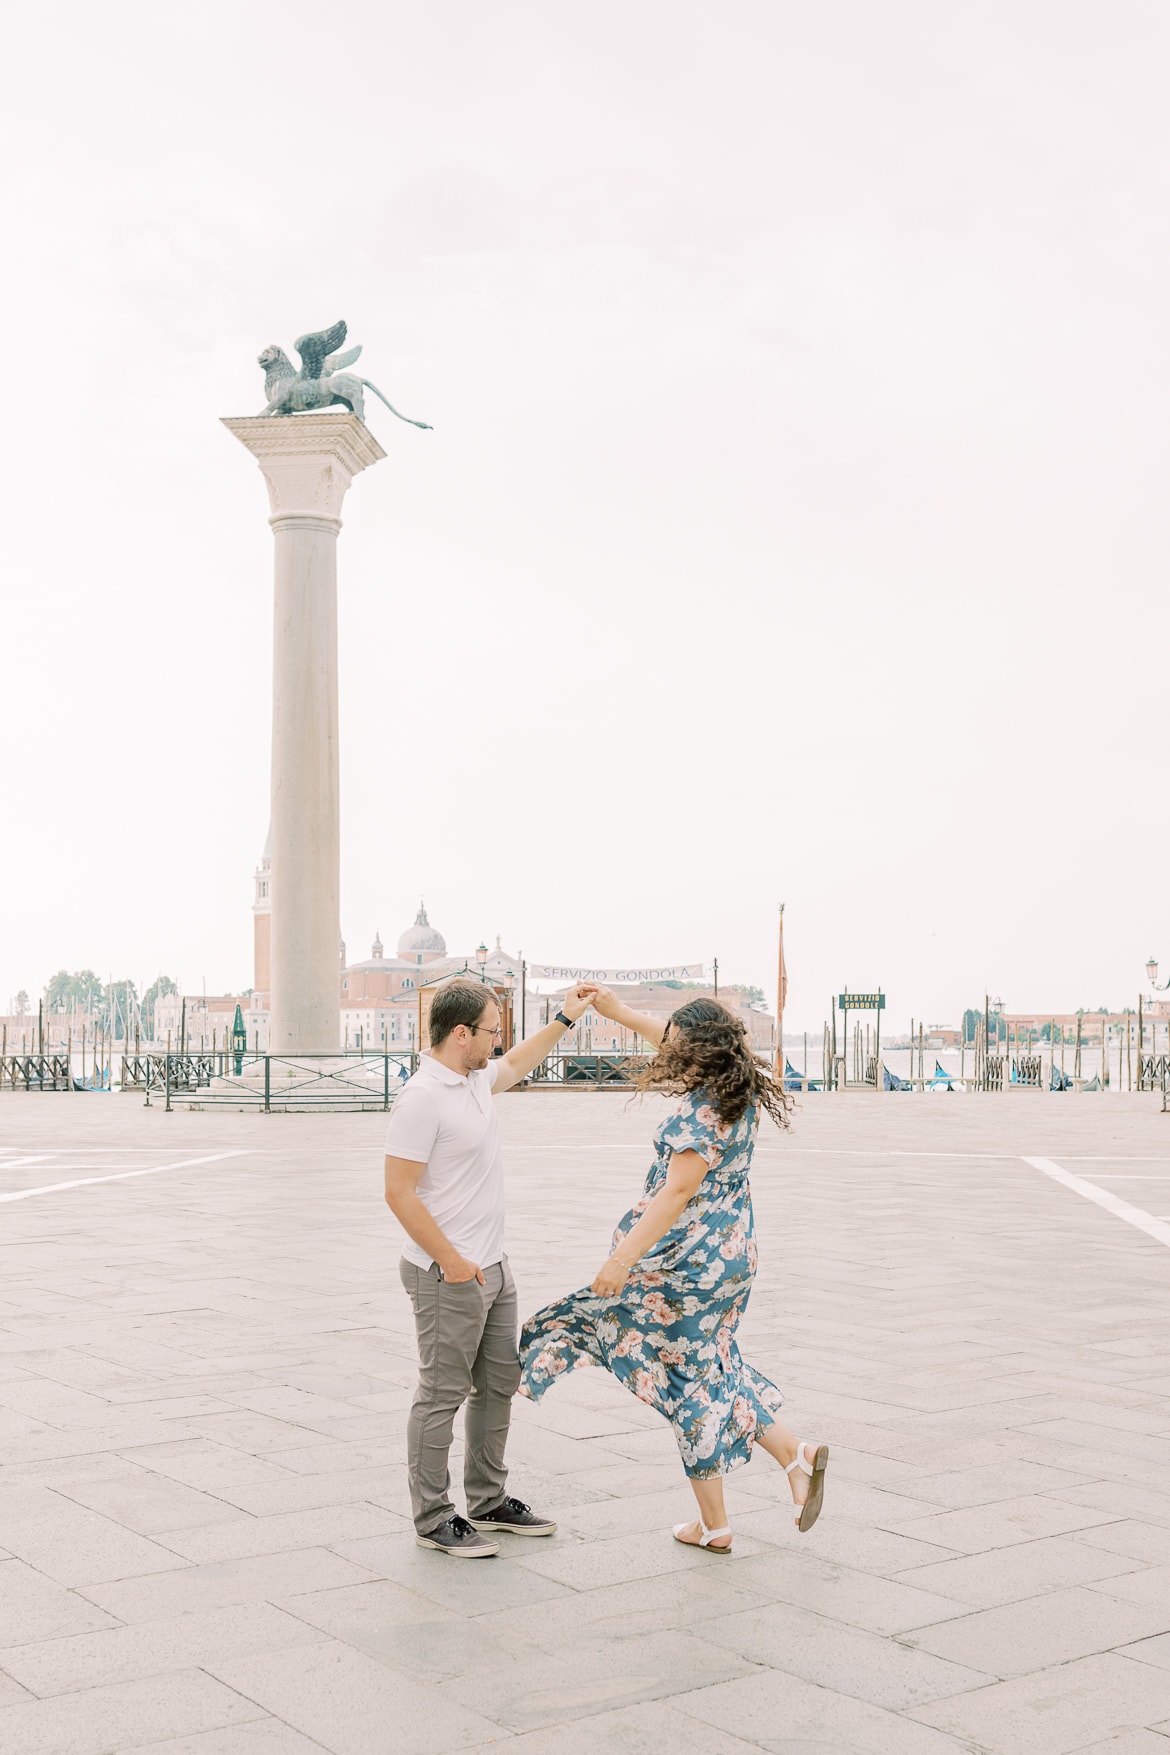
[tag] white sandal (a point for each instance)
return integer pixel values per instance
(705, 1539)
(808, 1513)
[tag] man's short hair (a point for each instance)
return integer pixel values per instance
(457, 1002)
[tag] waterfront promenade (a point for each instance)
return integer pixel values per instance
(205, 1365)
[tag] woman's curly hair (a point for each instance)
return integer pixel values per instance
(706, 1048)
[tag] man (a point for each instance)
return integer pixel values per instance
(445, 1186)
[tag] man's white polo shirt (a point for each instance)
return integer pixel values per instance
(448, 1122)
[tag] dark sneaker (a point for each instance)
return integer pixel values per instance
(456, 1537)
(514, 1518)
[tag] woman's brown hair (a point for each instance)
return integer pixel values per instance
(706, 1048)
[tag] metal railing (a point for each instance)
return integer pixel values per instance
(183, 1072)
(267, 1082)
(1152, 1072)
(35, 1072)
(582, 1071)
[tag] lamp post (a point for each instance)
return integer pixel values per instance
(509, 975)
(1157, 987)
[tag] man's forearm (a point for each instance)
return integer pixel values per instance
(528, 1054)
(421, 1227)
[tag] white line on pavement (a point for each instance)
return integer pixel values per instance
(881, 1152)
(47, 1158)
(63, 1151)
(1158, 1229)
(120, 1175)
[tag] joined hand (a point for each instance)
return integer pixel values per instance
(578, 1000)
(605, 1002)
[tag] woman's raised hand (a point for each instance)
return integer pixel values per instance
(605, 1002)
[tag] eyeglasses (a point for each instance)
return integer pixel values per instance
(497, 1031)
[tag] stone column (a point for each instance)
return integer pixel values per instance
(308, 462)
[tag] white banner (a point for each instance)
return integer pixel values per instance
(631, 975)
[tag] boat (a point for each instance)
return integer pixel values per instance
(794, 1081)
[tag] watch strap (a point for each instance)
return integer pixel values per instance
(562, 1019)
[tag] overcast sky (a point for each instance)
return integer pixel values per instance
(794, 525)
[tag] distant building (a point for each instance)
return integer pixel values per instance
(1037, 1024)
(18, 1030)
(262, 931)
(379, 996)
(206, 1021)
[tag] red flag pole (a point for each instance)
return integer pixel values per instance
(781, 997)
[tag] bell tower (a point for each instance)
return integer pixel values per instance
(262, 930)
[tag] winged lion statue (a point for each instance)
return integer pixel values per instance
(322, 379)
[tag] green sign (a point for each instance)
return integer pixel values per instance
(862, 1002)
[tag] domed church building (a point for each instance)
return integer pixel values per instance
(382, 977)
(379, 996)
(420, 943)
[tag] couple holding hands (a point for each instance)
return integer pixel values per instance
(662, 1310)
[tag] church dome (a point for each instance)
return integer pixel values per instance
(421, 939)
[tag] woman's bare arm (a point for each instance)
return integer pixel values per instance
(684, 1174)
(607, 1003)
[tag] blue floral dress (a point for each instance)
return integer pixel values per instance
(669, 1336)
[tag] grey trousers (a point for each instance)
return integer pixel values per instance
(466, 1353)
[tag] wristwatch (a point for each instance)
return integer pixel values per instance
(562, 1019)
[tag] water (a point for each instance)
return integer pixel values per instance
(1122, 1075)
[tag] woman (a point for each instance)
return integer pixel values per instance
(662, 1312)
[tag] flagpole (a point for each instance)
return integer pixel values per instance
(781, 996)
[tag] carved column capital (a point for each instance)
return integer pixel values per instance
(308, 462)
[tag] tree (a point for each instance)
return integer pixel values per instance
(59, 992)
(753, 996)
(974, 1015)
(21, 1002)
(83, 990)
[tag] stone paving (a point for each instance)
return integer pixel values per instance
(204, 1374)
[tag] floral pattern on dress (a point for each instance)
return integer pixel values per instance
(669, 1335)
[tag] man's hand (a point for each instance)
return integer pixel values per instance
(578, 1000)
(461, 1270)
(605, 1002)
